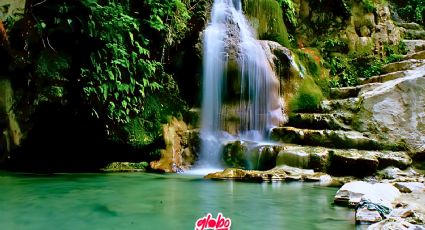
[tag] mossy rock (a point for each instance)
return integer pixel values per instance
(266, 17)
(234, 155)
(126, 167)
(307, 98)
(343, 162)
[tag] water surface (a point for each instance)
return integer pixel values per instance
(151, 201)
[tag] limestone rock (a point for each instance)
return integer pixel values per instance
(394, 224)
(334, 121)
(403, 65)
(395, 110)
(288, 73)
(250, 155)
(281, 173)
(408, 187)
(347, 104)
(409, 25)
(379, 193)
(414, 45)
(344, 162)
(267, 155)
(397, 159)
(396, 173)
(329, 138)
(14, 9)
(293, 156)
(384, 78)
(418, 55)
(364, 216)
(401, 212)
(180, 148)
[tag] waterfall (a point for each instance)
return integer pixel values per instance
(252, 93)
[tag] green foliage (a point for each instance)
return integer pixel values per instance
(332, 7)
(347, 69)
(340, 67)
(126, 166)
(334, 45)
(168, 17)
(288, 8)
(412, 10)
(369, 6)
(401, 48)
(158, 109)
(307, 98)
(313, 65)
(120, 74)
(367, 67)
(52, 66)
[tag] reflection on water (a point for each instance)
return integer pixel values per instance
(150, 201)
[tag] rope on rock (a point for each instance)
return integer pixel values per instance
(381, 209)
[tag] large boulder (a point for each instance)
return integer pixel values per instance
(380, 193)
(395, 110)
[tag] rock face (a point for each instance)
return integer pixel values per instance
(282, 173)
(250, 155)
(282, 62)
(12, 9)
(180, 148)
(396, 110)
(395, 223)
(10, 132)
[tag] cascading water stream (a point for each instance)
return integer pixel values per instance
(229, 40)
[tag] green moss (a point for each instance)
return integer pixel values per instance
(289, 8)
(126, 167)
(369, 6)
(266, 17)
(312, 62)
(307, 98)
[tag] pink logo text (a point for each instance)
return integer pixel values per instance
(208, 222)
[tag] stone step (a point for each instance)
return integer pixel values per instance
(330, 138)
(332, 121)
(414, 45)
(402, 65)
(409, 25)
(414, 34)
(417, 55)
(347, 104)
(350, 91)
(385, 77)
(341, 161)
